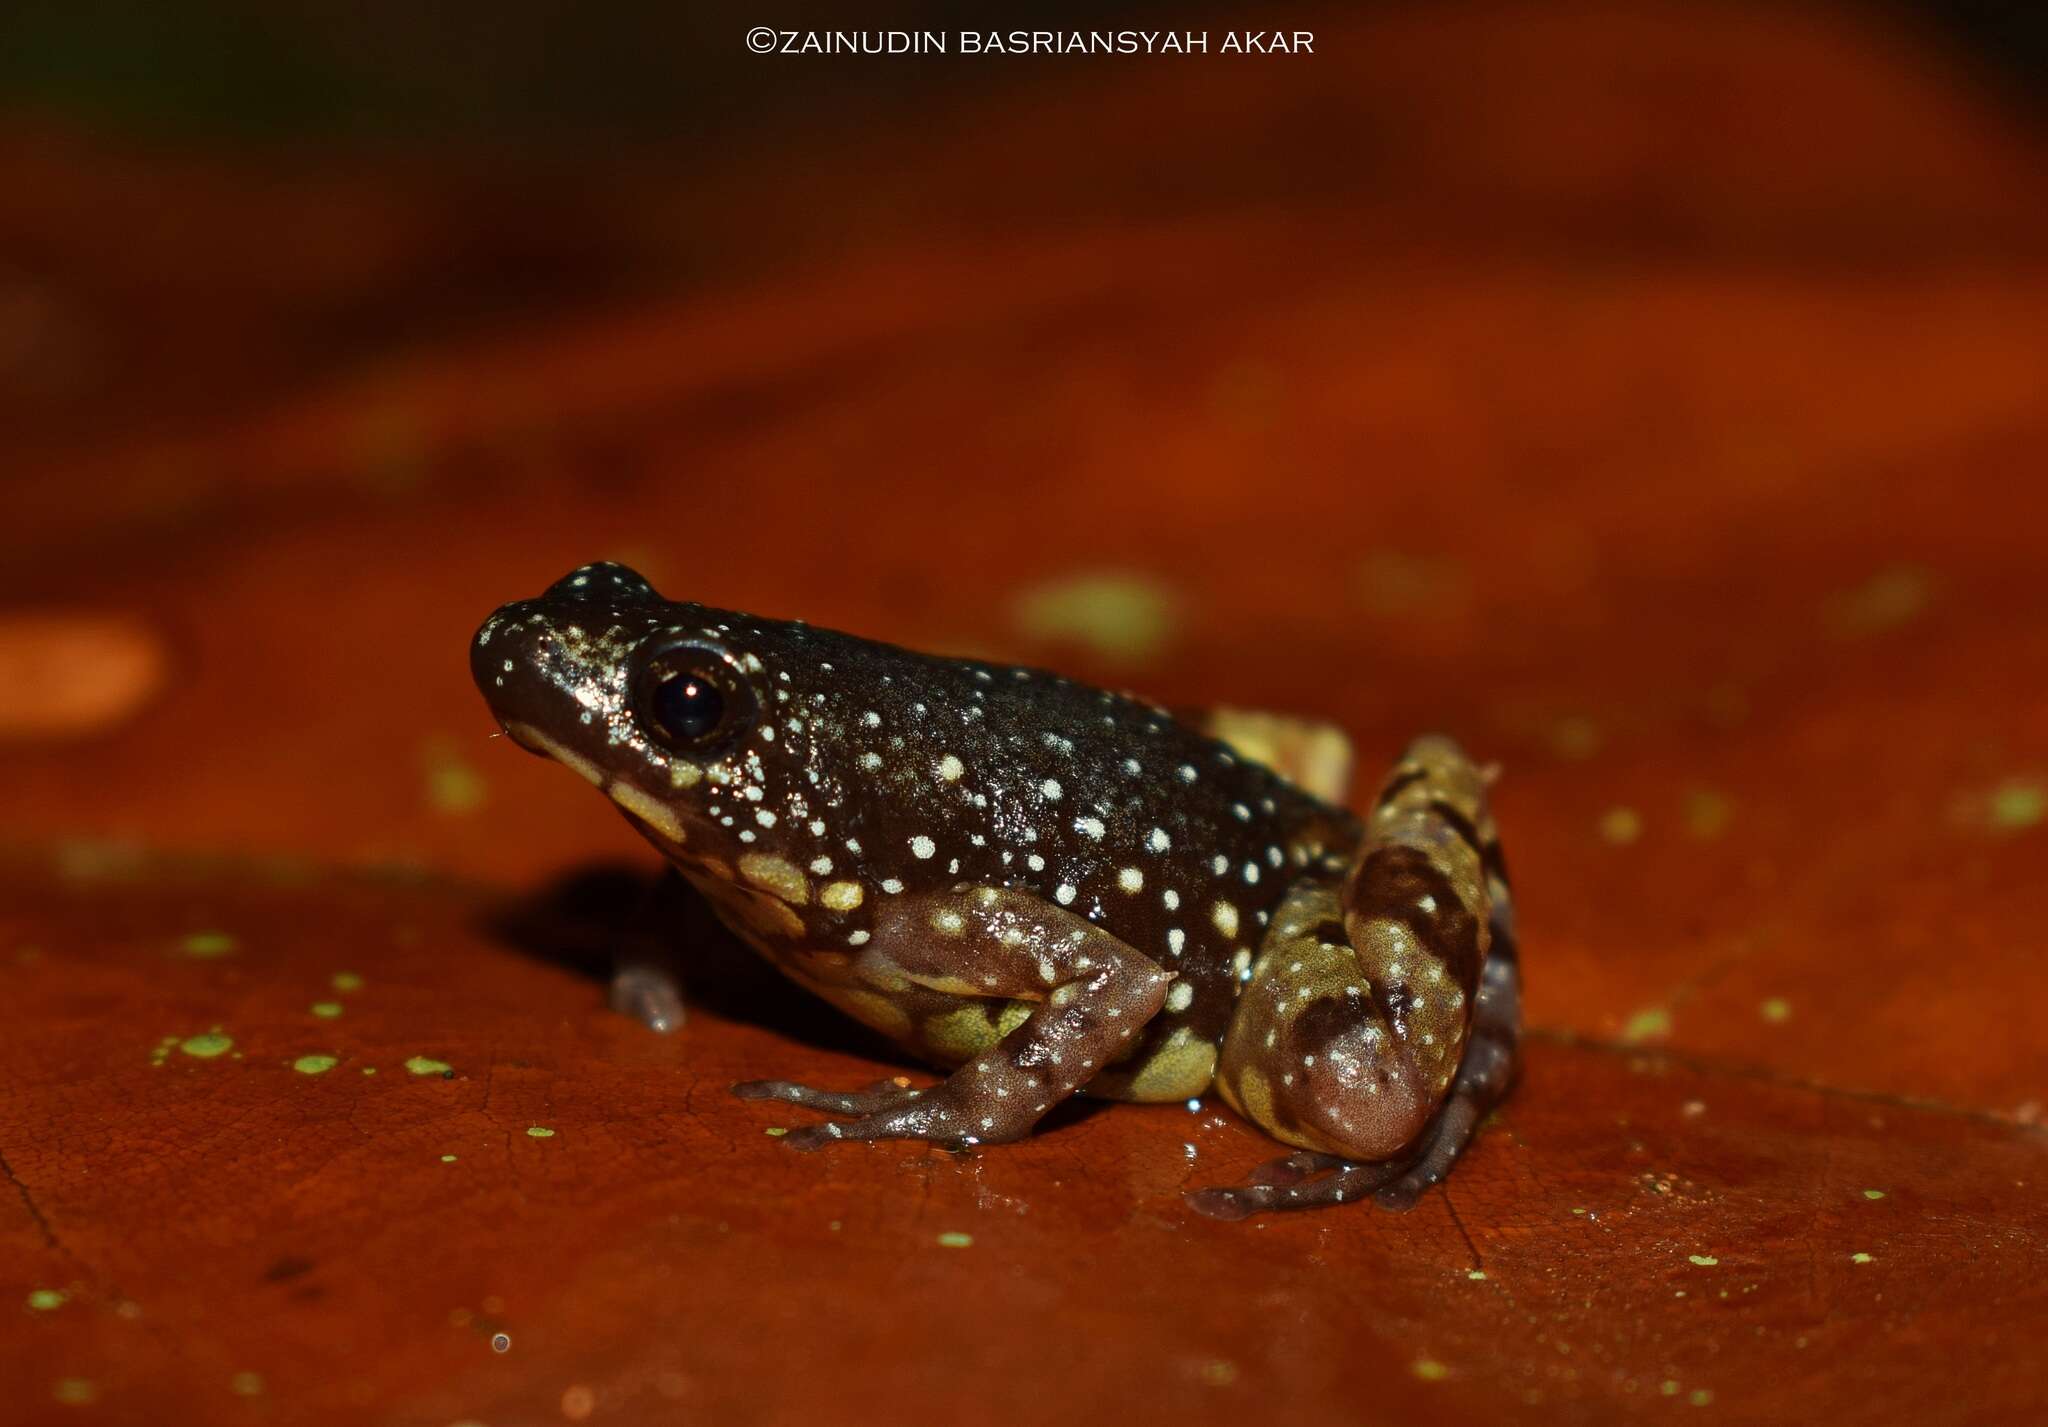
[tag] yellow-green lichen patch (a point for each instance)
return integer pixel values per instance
(954, 1239)
(48, 1300)
(1652, 1023)
(447, 1159)
(1123, 618)
(1699, 1397)
(1777, 1010)
(246, 1384)
(1669, 1387)
(1873, 1194)
(777, 1131)
(205, 946)
(2018, 803)
(452, 785)
(1621, 826)
(1859, 1258)
(1475, 1274)
(1429, 1370)
(1217, 1372)
(1707, 813)
(1396, 584)
(423, 1065)
(1892, 597)
(347, 981)
(207, 1046)
(315, 1064)
(163, 1050)
(76, 1391)
(540, 1132)
(1574, 738)
(1702, 1260)
(325, 1010)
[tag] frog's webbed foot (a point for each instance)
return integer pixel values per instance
(1382, 1016)
(1288, 1184)
(1089, 993)
(882, 1095)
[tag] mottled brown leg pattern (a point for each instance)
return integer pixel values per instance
(1383, 1014)
(1093, 994)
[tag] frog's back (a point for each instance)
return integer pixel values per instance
(948, 771)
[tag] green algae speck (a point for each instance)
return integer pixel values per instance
(347, 981)
(45, 1300)
(1429, 1370)
(540, 1132)
(954, 1239)
(207, 1046)
(207, 945)
(315, 1064)
(421, 1065)
(326, 1010)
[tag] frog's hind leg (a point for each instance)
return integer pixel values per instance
(1383, 1013)
(1313, 755)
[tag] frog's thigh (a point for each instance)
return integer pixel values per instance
(1089, 995)
(1348, 1037)
(1313, 755)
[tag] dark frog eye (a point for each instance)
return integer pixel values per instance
(691, 696)
(688, 707)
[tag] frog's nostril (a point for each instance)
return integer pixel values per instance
(602, 581)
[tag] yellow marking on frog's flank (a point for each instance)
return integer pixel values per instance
(870, 1009)
(960, 1035)
(778, 875)
(841, 896)
(1225, 917)
(531, 737)
(1182, 1067)
(656, 815)
(684, 775)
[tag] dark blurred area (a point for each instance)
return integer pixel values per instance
(557, 78)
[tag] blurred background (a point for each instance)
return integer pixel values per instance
(1649, 393)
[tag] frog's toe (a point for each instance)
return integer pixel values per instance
(1282, 1185)
(1292, 1169)
(649, 994)
(882, 1095)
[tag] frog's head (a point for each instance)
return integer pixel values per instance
(664, 707)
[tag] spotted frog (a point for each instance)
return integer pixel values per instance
(1047, 888)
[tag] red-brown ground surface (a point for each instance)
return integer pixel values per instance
(1652, 398)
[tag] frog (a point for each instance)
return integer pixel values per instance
(1045, 889)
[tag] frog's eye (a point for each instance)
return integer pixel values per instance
(688, 707)
(691, 697)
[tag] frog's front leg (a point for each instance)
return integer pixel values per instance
(1091, 995)
(1383, 1013)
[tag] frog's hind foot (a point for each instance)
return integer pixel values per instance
(1289, 1183)
(882, 1095)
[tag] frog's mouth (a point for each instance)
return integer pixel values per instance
(654, 817)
